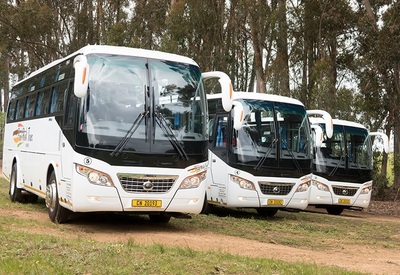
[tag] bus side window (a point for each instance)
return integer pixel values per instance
(11, 111)
(39, 104)
(220, 137)
(30, 106)
(43, 103)
(57, 98)
(20, 108)
(54, 97)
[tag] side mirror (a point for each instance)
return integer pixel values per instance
(318, 135)
(226, 87)
(81, 81)
(384, 138)
(238, 115)
(327, 118)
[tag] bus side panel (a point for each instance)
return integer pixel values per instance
(35, 143)
(8, 156)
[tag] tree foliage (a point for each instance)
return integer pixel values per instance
(341, 56)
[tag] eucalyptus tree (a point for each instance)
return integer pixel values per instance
(321, 53)
(380, 74)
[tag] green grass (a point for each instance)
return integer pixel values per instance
(303, 229)
(62, 249)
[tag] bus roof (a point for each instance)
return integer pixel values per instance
(260, 96)
(117, 50)
(336, 121)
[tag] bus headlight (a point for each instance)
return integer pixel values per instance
(245, 184)
(305, 183)
(320, 186)
(193, 181)
(366, 189)
(303, 187)
(94, 176)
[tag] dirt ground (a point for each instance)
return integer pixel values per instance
(354, 258)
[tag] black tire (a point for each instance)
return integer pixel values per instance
(57, 213)
(334, 210)
(15, 192)
(159, 218)
(207, 208)
(267, 212)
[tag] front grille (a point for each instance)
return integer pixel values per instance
(136, 183)
(344, 191)
(275, 188)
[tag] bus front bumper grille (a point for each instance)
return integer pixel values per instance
(275, 188)
(344, 190)
(140, 183)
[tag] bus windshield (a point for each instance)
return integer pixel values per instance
(349, 148)
(151, 106)
(272, 131)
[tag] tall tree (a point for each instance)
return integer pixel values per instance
(381, 63)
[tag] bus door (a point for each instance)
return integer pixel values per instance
(218, 158)
(67, 136)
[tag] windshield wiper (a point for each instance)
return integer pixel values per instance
(122, 143)
(337, 166)
(296, 163)
(262, 160)
(170, 135)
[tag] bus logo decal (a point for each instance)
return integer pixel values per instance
(22, 135)
(276, 190)
(148, 185)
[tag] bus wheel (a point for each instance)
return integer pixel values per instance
(57, 213)
(334, 210)
(207, 207)
(15, 192)
(159, 218)
(267, 212)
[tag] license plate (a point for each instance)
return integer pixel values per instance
(344, 201)
(274, 202)
(146, 203)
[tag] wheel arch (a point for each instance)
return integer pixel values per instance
(50, 170)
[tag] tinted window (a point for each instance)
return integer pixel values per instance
(42, 107)
(20, 108)
(30, 106)
(57, 99)
(11, 111)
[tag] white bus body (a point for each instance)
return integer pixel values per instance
(259, 153)
(110, 129)
(342, 167)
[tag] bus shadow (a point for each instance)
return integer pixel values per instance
(116, 222)
(244, 213)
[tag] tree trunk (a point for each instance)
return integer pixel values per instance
(396, 130)
(282, 58)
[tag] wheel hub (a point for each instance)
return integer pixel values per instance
(51, 196)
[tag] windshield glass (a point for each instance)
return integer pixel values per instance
(272, 130)
(349, 147)
(124, 95)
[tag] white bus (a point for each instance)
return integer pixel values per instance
(259, 153)
(111, 129)
(342, 167)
